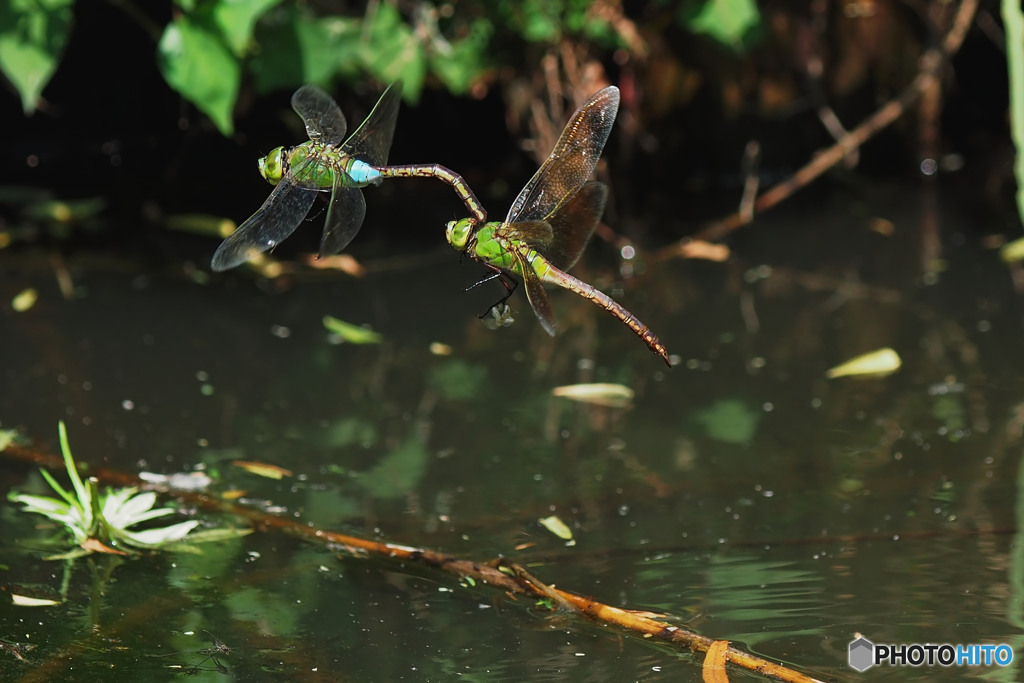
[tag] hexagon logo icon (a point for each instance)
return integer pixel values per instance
(862, 654)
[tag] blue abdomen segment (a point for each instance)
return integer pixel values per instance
(362, 173)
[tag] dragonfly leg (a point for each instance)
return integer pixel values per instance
(508, 282)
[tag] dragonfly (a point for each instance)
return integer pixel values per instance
(552, 220)
(326, 166)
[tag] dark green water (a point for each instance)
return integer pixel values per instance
(743, 494)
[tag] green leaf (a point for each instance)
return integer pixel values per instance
(32, 37)
(730, 22)
(82, 492)
(7, 437)
(394, 52)
(460, 66)
(541, 20)
(236, 18)
(295, 48)
(196, 62)
(729, 421)
(353, 334)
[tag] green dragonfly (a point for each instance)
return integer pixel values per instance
(324, 165)
(551, 221)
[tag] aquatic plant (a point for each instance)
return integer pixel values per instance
(102, 521)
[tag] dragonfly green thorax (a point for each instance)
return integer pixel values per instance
(318, 167)
(327, 167)
(327, 163)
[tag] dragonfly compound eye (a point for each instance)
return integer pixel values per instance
(272, 166)
(457, 232)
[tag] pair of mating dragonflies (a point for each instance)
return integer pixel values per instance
(543, 235)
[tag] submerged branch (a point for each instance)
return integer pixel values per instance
(502, 574)
(931, 63)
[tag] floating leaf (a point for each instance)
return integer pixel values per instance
(201, 224)
(557, 527)
(713, 670)
(350, 333)
(262, 469)
(24, 300)
(346, 263)
(25, 601)
(875, 364)
(1013, 251)
(189, 481)
(95, 546)
(699, 249)
(439, 349)
(609, 395)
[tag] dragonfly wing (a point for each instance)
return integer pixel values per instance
(280, 214)
(344, 218)
(572, 161)
(573, 222)
(372, 140)
(538, 298)
(535, 234)
(323, 118)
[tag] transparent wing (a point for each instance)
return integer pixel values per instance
(280, 214)
(572, 161)
(538, 299)
(372, 140)
(573, 223)
(323, 118)
(344, 218)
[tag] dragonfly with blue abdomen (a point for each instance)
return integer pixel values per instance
(551, 221)
(323, 165)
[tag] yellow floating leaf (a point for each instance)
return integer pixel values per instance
(439, 349)
(875, 364)
(1013, 251)
(343, 262)
(24, 300)
(201, 224)
(713, 670)
(96, 546)
(610, 395)
(262, 469)
(698, 249)
(25, 601)
(557, 527)
(353, 334)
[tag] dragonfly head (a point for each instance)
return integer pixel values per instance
(272, 166)
(458, 232)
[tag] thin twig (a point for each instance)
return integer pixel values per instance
(931, 63)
